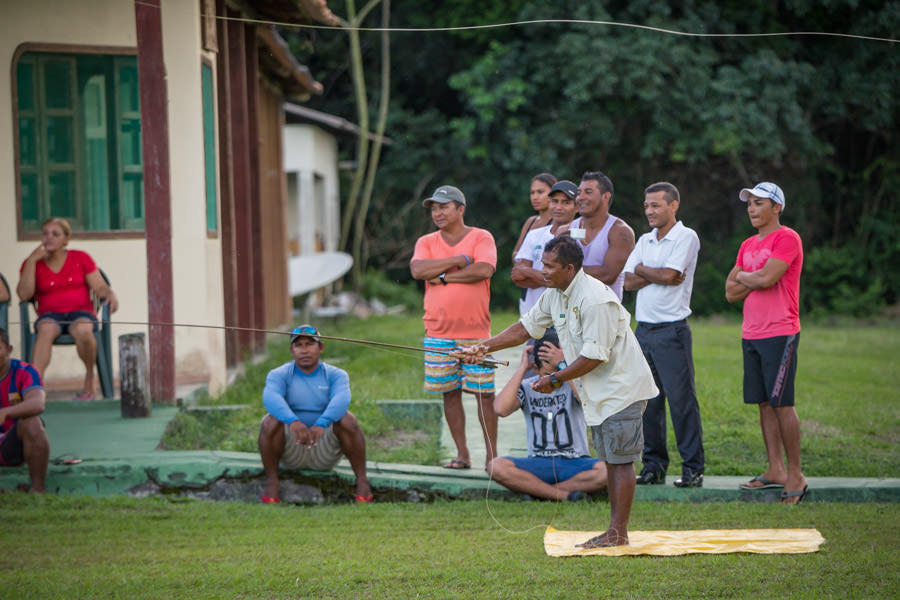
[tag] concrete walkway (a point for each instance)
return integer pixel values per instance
(120, 456)
(510, 430)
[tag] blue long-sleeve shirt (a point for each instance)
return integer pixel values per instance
(319, 398)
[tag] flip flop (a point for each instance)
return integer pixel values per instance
(766, 484)
(84, 397)
(364, 499)
(270, 499)
(458, 463)
(800, 495)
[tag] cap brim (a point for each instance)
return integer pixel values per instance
(745, 195)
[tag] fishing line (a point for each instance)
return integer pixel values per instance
(344, 26)
(488, 361)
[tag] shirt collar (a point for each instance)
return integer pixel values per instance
(669, 234)
(575, 281)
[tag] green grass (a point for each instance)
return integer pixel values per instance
(847, 385)
(76, 547)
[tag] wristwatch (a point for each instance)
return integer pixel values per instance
(561, 365)
(442, 278)
(554, 381)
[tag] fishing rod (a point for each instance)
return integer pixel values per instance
(488, 361)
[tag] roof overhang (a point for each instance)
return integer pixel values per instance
(296, 114)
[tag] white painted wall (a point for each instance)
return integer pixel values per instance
(197, 261)
(310, 160)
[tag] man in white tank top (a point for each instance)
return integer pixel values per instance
(606, 240)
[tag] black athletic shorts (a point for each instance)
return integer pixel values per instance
(770, 365)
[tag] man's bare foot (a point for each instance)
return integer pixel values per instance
(607, 539)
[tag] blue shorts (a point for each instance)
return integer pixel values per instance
(554, 469)
(66, 319)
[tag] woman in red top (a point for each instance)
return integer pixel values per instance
(61, 281)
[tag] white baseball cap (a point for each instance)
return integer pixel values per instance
(765, 189)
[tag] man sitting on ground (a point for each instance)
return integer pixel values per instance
(558, 466)
(308, 425)
(23, 438)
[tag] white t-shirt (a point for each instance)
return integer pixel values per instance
(532, 249)
(678, 251)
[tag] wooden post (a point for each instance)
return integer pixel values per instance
(133, 378)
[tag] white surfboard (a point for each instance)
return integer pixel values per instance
(309, 272)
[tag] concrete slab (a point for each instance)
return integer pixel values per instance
(120, 455)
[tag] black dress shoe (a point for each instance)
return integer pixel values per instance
(648, 477)
(690, 480)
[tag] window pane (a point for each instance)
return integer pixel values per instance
(128, 82)
(25, 85)
(60, 146)
(58, 83)
(62, 195)
(27, 142)
(28, 186)
(131, 142)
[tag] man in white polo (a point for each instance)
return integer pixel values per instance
(661, 268)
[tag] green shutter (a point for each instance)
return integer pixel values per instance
(79, 140)
(209, 147)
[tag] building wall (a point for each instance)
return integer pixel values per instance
(196, 258)
(310, 161)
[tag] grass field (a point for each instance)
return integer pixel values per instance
(78, 547)
(71, 547)
(847, 384)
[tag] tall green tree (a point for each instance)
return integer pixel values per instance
(486, 109)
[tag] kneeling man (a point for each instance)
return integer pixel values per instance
(308, 425)
(558, 466)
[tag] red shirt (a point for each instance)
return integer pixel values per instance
(66, 291)
(20, 379)
(774, 311)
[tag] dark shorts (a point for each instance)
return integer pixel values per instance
(12, 451)
(770, 365)
(67, 318)
(554, 469)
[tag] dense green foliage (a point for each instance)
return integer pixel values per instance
(486, 109)
(78, 547)
(846, 386)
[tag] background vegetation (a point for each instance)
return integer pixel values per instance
(486, 109)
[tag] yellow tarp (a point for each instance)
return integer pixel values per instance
(674, 543)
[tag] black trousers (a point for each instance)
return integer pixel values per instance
(668, 350)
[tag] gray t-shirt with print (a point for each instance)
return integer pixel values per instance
(554, 422)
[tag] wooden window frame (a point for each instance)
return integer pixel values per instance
(62, 49)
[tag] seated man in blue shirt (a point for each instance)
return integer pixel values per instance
(558, 466)
(308, 425)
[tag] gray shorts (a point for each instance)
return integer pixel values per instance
(620, 439)
(321, 457)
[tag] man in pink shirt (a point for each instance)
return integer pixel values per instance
(766, 277)
(456, 263)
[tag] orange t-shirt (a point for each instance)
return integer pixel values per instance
(458, 310)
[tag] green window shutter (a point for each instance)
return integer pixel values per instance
(79, 141)
(209, 146)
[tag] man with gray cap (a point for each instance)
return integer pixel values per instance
(526, 272)
(766, 276)
(456, 263)
(308, 425)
